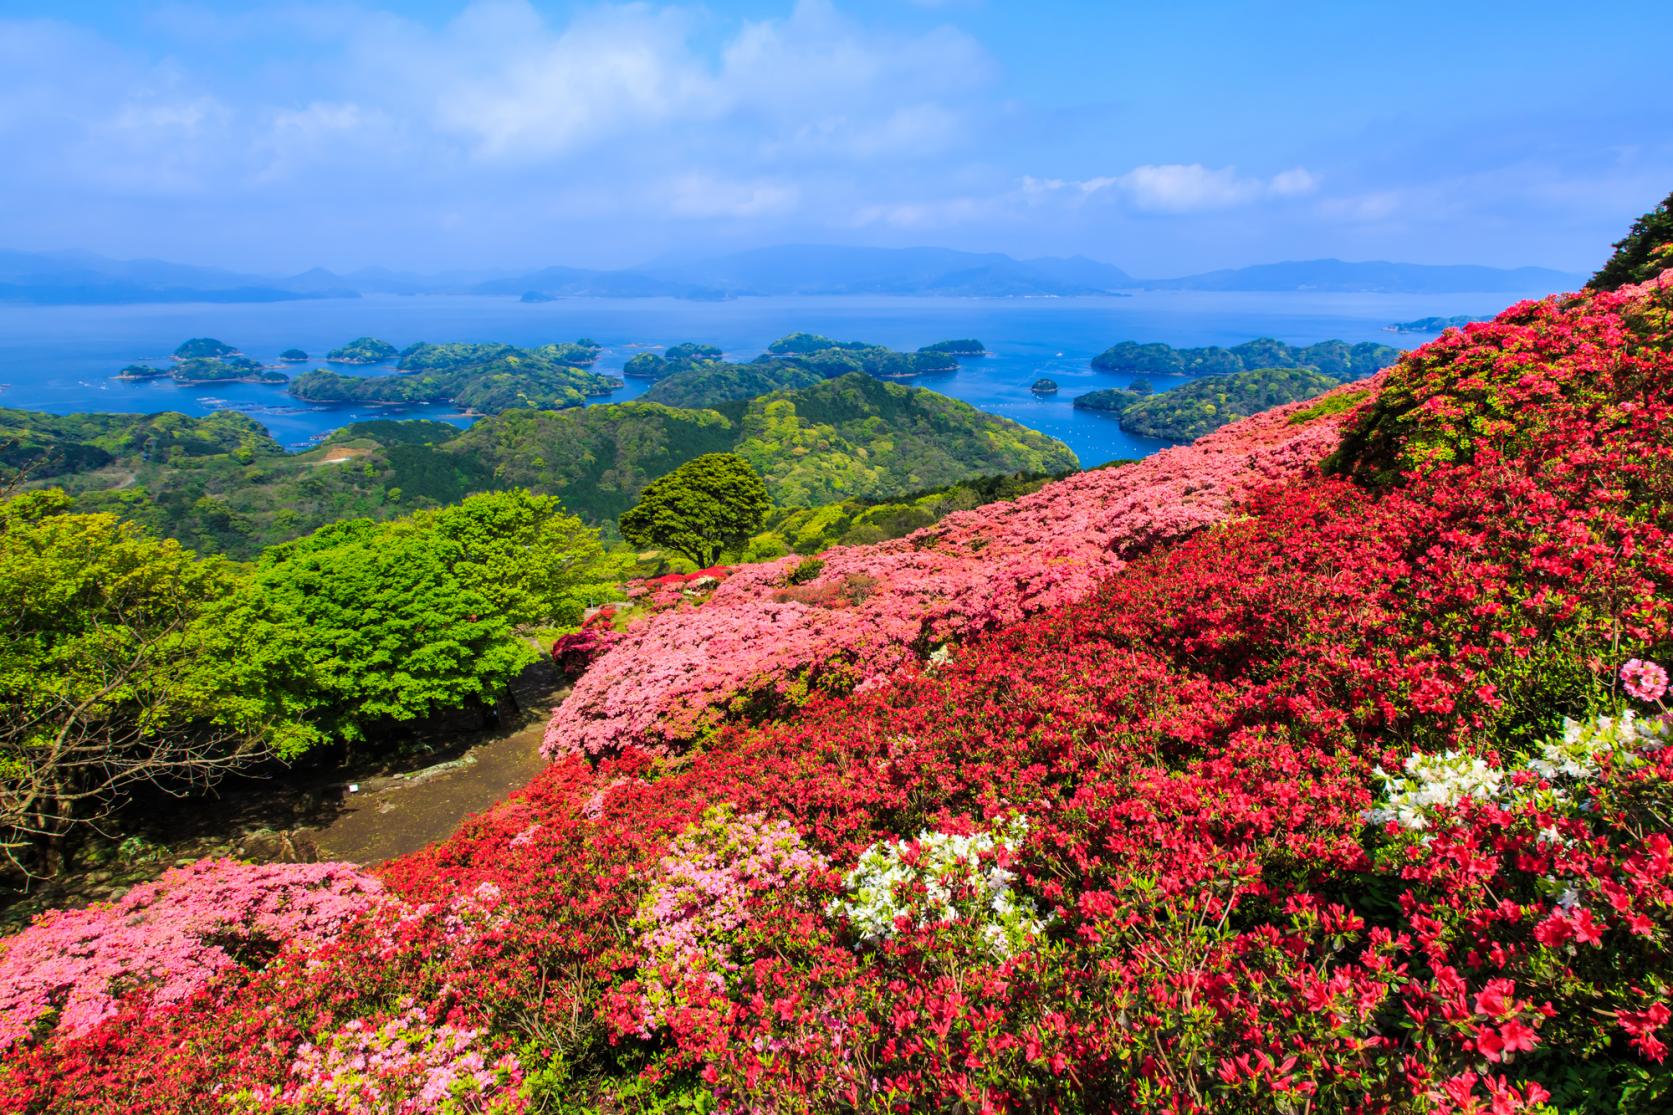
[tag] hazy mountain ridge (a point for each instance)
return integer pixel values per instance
(809, 270)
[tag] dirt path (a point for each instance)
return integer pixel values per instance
(392, 815)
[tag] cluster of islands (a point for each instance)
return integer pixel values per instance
(823, 421)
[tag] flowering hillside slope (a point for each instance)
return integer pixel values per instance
(870, 609)
(1358, 801)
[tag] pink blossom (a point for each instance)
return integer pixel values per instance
(169, 937)
(1644, 680)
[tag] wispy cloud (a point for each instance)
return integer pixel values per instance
(1182, 187)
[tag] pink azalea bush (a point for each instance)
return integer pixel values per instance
(713, 875)
(873, 609)
(168, 938)
(399, 1066)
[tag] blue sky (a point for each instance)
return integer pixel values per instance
(1165, 138)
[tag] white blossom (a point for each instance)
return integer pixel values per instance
(959, 878)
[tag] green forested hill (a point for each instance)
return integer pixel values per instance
(221, 484)
(712, 383)
(858, 436)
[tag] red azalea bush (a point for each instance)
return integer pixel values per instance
(1334, 806)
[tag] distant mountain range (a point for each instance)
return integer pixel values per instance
(78, 278)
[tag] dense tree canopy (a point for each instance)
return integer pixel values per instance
(363, 622)
(1645, 251)
(705, 507)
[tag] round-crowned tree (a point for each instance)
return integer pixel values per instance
(705, 507)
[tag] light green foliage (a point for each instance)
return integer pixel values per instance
(1206, 404)
(1332, 404)
(705, 507)
(532, 561)
(107, 672)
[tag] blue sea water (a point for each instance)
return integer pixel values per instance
(63, 358)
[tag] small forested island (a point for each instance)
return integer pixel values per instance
(293, 356)
(141, 372)
(224, 369)
(963, 347)
(835, 357)
(650, 365)
(483, 378)
(1111, 399)
(532, 297)
(363, 350)
(1334, 358)
(203, 348)
(1431, 324)
(1044, 387)
(1204, 405)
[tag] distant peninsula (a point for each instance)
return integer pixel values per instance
(1431, 324)
(1334, 358)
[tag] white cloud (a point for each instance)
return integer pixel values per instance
(1180, 187)
(703, 196)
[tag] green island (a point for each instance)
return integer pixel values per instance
(293, 356)
(225, 369)
(1431, 324)
(363, 350)
(830, 358)
(966, 346)
(1044, 387)
(193, 371)
(651, 365)
(201, 348)
(221, 484)
(482, 378)
(1334, 358)
(1204, 405)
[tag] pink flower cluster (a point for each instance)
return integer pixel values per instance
(401, 1066)
(710, 878)
(873, 608)
(168, 938)
(1644, 680)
